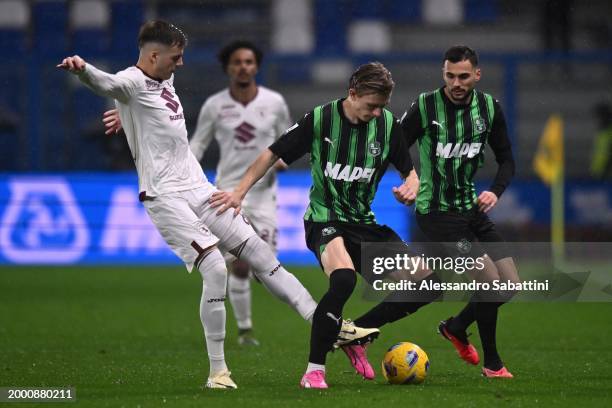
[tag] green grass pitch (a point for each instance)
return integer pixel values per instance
(128, 336)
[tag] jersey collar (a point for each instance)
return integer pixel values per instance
(149, 76)
(345, 119)
(229, 91)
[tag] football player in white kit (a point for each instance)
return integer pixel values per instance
(174, 189)
(245, 119)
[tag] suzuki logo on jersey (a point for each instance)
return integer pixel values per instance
(451, 150)
(43, 223)
(172, 104)
(347, 173)
(245, 132)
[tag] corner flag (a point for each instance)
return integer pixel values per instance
(549, 163)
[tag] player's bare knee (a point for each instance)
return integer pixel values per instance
(416, 273)
(507, 270)
(335, 256)
(508, 273)
(487, 273)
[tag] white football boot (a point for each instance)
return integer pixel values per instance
(221, 380)
(351, 334)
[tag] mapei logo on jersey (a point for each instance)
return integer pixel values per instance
(374, 148)
(348, 173)
(450, 150)
(43, 223)
(480, 125)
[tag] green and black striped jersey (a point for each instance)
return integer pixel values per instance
(451, 140)
(347, 160)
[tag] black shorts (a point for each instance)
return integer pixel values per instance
(470, 232)
(319, 234)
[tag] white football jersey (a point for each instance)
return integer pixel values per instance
(154, 124)
(242, 132)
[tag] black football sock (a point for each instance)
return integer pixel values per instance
(399, 304)
(327, 318)
(486, 317)
(464, 318)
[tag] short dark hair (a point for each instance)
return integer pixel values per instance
(370, 78)
(162, 32)
(458, 53)
(226, 52)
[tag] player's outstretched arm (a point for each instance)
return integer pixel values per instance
(407, 192)
(112, 122)
(102, 83)
(256, 171)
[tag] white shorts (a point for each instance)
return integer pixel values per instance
(261, 214)
(189, 225)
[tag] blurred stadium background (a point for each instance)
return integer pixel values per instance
(68, 192)
(131, 336)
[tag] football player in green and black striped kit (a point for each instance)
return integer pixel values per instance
(452, 126)
(351, 142)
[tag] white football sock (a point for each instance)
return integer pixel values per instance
(277, 279)
(239, 291)
(212, 308)
(315, 367)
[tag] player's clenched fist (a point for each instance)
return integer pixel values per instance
(407, 192)
(73, 64)
(486, 201)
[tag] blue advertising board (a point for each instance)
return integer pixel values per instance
(97, 219)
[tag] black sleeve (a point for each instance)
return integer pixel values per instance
(499, 142)
(411, 124)
(399, 155)
(296, 141)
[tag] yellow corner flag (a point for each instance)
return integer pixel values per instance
(548, 161)
(549, 164)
